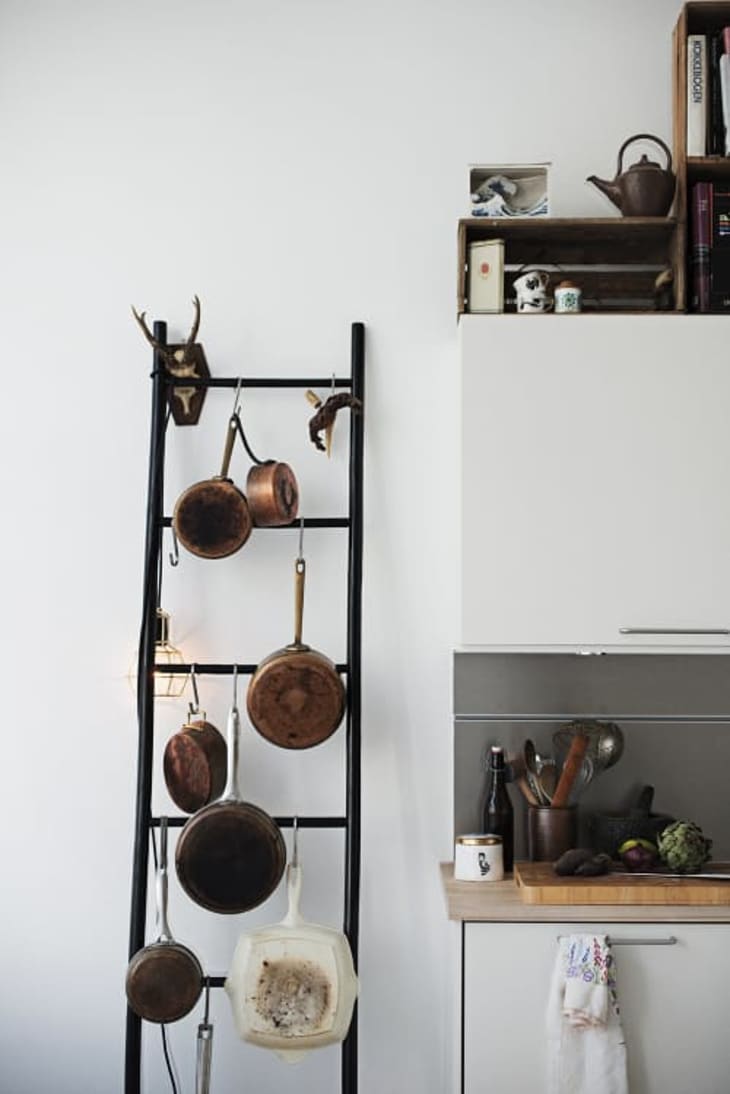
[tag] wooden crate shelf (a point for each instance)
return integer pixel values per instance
(615, 260)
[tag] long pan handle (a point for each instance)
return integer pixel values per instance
(231, 791)
(299, 571)
(228, 450)
(204, 1054)
(163, 929)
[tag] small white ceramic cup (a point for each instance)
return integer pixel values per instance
(567, 298)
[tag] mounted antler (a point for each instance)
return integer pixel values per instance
(177, 359)
(184, 362)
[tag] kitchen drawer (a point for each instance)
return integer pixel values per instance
(595, 462)
(674, 1003)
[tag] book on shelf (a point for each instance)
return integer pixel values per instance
(697, 95)
(725, 94)
(710, 247)
(700, 249)
(720, 247)
(715, 121)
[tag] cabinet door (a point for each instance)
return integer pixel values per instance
(596, 464)
(674, 1003)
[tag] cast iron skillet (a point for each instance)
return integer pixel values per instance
(230, 855)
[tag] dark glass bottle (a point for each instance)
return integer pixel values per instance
(498, 812)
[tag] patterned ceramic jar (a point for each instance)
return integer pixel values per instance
(567, 298)
(478, 857)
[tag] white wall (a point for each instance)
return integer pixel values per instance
(300, 166)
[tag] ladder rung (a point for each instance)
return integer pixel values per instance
(283, 822)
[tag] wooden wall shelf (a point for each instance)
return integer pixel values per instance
(614, 259)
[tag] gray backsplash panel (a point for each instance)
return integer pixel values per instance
(687, 762)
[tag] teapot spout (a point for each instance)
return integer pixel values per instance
(610, 189)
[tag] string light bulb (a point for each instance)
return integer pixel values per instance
(168, 685)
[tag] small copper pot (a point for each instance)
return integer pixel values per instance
(272, 493)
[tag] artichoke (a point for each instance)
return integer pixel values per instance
(683, 847)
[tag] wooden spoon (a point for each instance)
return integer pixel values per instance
(571, 768)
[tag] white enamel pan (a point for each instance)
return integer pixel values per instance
(292, 986)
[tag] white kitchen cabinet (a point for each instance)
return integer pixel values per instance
(674, 1004)
(596, 478)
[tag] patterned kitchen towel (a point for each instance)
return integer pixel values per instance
(586, 1049)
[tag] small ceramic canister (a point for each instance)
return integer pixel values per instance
(567, 298)
(478, 857)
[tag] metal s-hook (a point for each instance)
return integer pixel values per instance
(237, 399)
(194, 707)
(174, 554)
(300, 556)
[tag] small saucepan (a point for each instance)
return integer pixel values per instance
(164, 979)
(212, 518)
(296, 698)
(194, 761)
(271, 489)
(231, 854)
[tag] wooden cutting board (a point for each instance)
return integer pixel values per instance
(539, 884)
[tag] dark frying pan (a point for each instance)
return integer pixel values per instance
(296, 698)
(194, 762)
(164, 979)
(230, 855)
(211, 518)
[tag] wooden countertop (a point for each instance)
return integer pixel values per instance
(500, 902)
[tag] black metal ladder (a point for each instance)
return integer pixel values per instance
(156, 522)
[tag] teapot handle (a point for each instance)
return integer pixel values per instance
(643, 137)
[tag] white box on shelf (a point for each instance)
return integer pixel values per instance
(485, 283)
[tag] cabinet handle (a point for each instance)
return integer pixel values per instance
(674, 630)
(669, 941)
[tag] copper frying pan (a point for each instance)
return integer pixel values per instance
(211, 518)
(296, 698)
(194, 761)
(164, 979)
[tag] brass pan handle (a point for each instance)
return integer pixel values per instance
(299, 571)
(228, 450)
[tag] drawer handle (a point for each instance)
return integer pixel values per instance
(674, 630)
(669, 941)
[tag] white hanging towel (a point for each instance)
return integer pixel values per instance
(586, 1048)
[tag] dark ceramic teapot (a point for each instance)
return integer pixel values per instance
(645, 189)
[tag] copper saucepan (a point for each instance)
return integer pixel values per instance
(212, 518)
(164, 979)
(296, 698)
(271, 488)
(194, 761)
(230, 855)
